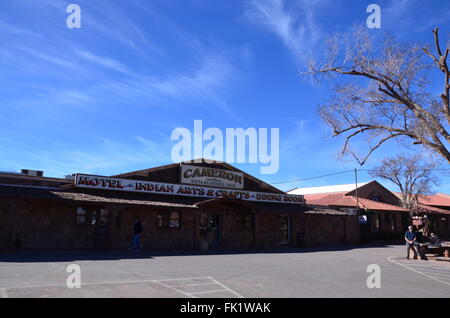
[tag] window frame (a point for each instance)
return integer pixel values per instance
(287, 228)
(92, 213)
(85, 215)
(170, 219)
(166, 217)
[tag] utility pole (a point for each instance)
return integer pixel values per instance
(357, 205)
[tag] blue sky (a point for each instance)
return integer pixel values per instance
(105, 98)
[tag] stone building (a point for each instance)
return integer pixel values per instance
(188, 206)
(381, 214)
(432, 213)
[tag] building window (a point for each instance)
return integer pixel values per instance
(81, 216)
(92, 216)
(175, 220)
(374, 222)
(244, 221)
(392, 222)
(103, 217)
(285, 229)
(169, 220)
(162, 220)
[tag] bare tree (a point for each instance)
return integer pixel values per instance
(390, 97)
(412, 174)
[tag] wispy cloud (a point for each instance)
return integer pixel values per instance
(15, 30)
(112, 21)
(71, 83)
(204, 82)
(402, 16)
(104, 156)
(292, 21)
(49, 58)
(214, 74)
(103, 61)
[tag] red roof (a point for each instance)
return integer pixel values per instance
(323, 198)
(374, 205)
(436, 199)
(430, 209)
(340, 199)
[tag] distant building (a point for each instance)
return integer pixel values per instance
(432, 213)
(382, 216)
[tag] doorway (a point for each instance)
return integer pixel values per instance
(285, 229)
(210, 228)
(100, 221)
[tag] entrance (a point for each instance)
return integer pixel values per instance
(100, 221)
(210, 229)
(285, 229)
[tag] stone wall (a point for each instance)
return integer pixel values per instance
(152, 236)
(52, 225)
(327, 230)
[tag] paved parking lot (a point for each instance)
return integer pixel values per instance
(289, 273)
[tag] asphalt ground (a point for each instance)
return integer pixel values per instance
(334, 272)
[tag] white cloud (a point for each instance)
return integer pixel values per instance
(205, 82)
(50, 58)
(105, 157)
(403, 16)
(292, 21)
(103, 61)
(112, 21)
(12, 29)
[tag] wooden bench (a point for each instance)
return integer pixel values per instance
(440, 251)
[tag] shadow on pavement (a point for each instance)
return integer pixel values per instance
(69, 256)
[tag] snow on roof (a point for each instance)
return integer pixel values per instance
(327, 189)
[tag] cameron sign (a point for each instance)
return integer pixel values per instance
(203, 176)
(105, 183)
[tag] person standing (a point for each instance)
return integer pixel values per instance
(137, 232)
(411, 243)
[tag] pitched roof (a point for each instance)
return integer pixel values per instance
(221, 164)
(128, 198)
(342, 200)
(98, 198)
(440, 199)
(323, 198)
(374, 205)
(328, 189)
(40, 193)
(435, 199)
(430, 209)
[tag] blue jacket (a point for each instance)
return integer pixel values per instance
(410, 235)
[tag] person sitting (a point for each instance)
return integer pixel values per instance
(435, 241)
